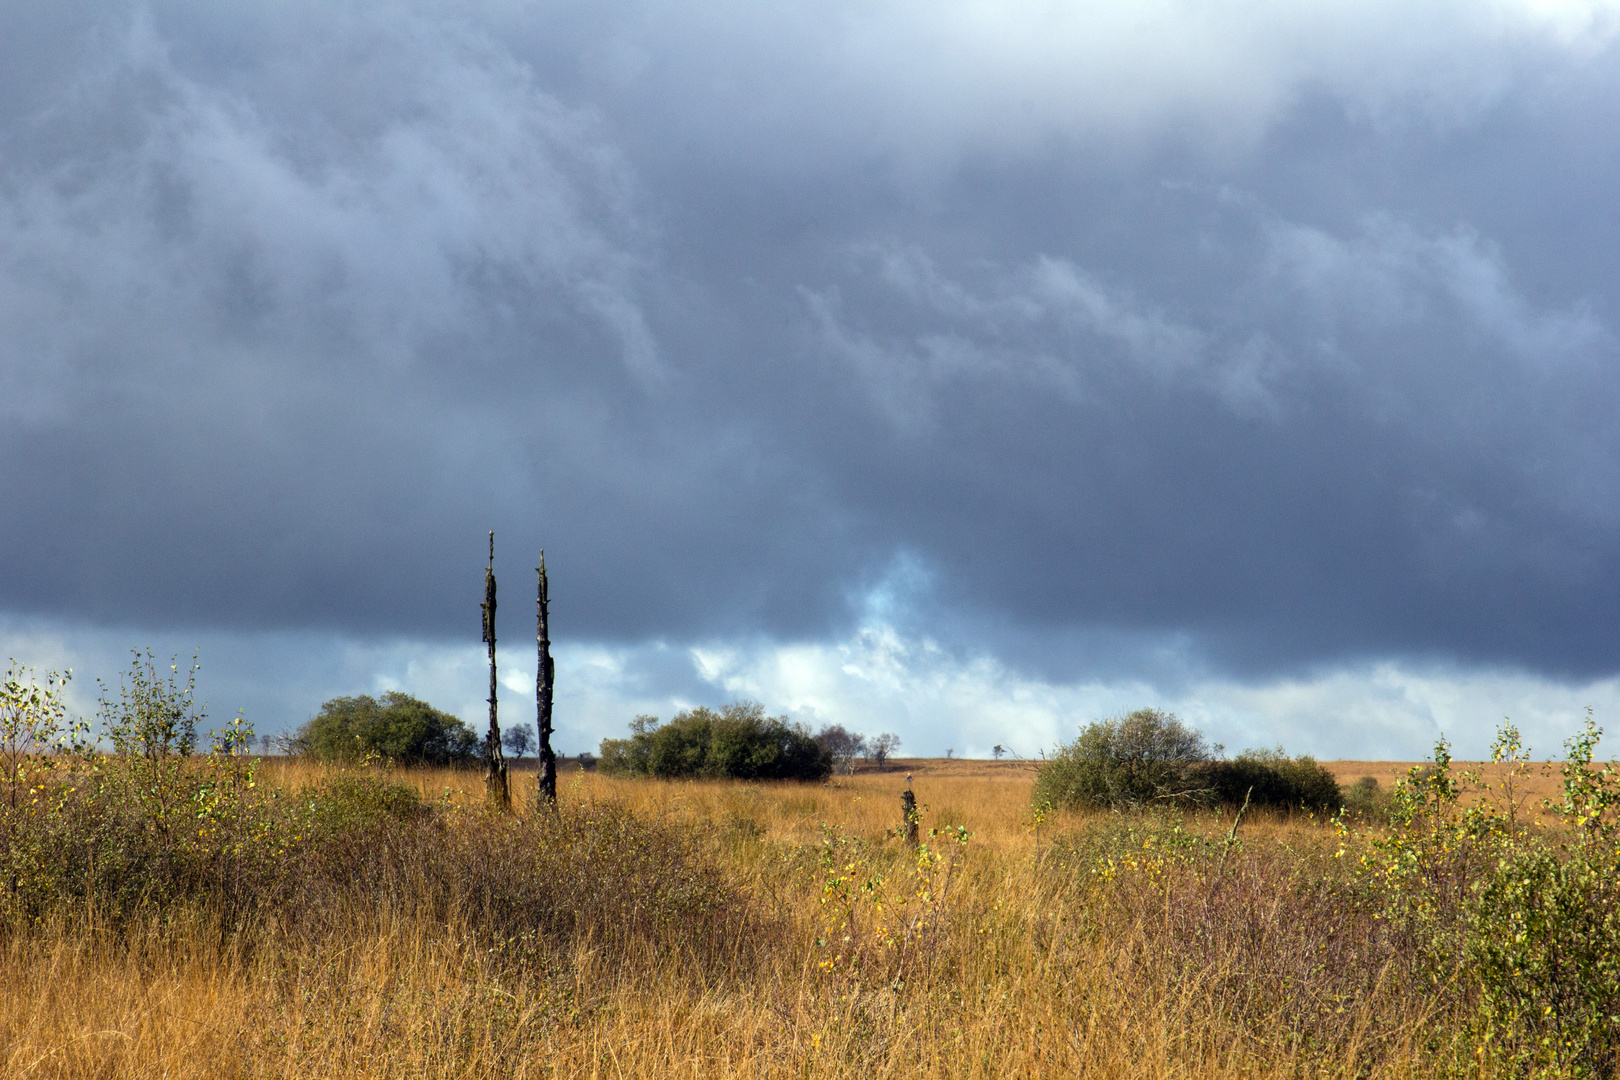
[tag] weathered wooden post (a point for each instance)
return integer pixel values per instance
(545, 677)
(908, 807)
(496, 782)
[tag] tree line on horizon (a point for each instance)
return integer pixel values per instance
(737, 741)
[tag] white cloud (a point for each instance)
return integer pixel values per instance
(934, 83)
(875, 680)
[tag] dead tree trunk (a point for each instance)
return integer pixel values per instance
(496, 781)
(908, 809)
(545, 677)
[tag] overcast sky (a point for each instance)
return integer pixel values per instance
(966, 371)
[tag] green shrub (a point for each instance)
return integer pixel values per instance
(143, 825)
(1273, 779)
(399, 728)
(1366, 800)
(1521, 919)
(737, 742)
(347, 801)
(1151, 758)
(33, 723)
(1145, 757)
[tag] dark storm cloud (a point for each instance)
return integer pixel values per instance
(1292, 339)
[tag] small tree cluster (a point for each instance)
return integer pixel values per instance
(846, 746)
(1151, 757)
(842, 746)
(737, 741)
(399, 728)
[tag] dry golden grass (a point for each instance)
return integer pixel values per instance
(1019, 978)
(1530, 785)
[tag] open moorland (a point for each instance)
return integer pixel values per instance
(279, 918)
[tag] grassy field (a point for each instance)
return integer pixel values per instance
(657, 929)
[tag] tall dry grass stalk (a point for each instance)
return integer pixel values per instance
(1015, 953)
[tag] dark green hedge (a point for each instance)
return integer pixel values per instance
(738, 742)
(1274, 779)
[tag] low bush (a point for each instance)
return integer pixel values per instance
(736, 742)
(1151, 758)
(1365, 800)
(1525, 918)
(1146, 757)
(1270, 778)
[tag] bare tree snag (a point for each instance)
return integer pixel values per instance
(545, 678)
(908, 808)
(496, 781)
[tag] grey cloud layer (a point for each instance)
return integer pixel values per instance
(1261, 333)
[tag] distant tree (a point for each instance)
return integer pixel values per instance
(265, 743)
(883, 747)
(950, 753)
(399, 727)
(738, 741)
(998, 750)
(518, 739)
(844, 746)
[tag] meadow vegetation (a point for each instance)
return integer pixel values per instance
(209, 914)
